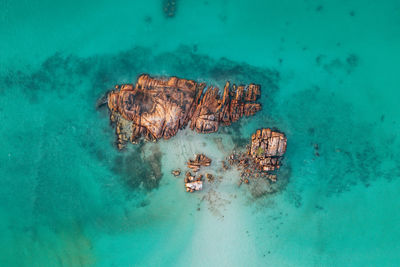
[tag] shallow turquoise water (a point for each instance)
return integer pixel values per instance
(329, 76)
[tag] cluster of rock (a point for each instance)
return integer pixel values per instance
(263, 155)
(169, 8)
(157, 108)
(195, 182)
(200, 160)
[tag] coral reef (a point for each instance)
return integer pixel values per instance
(158, 108)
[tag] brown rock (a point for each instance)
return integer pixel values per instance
(194, 186)
(272, 177)
(200, 160)
(267, 147)
(176, 172)
(189, 177)
(262, 156)
(157, 108)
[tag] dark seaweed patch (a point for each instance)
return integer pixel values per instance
(350, 152)
(348, 64)
(342, 163)
(262, 187)
(137, 171)
(234, 130)
(62, 75)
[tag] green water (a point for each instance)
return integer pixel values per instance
(329, 76)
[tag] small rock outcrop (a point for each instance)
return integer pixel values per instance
(263, 155)
(193, 183)
(176, 173)
(200, 160)
(156, 108)
(169, 8)
(267, 148)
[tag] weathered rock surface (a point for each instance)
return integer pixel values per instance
(200, 160)
(263, 155)
(192, 183)
(169, 8)
(194, 186)
(267, 148)
(157, 108)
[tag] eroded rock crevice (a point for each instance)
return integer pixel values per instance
(156, 108)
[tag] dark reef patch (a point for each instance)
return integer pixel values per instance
(347, 64)
(355, 153)
(139, 170)
(63, 73)
(349, 152)
(234, 130)
(262, 187)
(86, 79)
(169, 8)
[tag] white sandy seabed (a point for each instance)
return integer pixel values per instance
(210, 227)
(223, 225)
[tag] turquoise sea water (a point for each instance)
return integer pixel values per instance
(329, 76)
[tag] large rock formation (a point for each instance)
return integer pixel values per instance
(158, 108)
(263, 155)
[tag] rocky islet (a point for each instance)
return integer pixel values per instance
(262, 156)
(156, 108)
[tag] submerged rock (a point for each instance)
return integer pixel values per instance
(157, 108)
(267, 148)
(169, 8)
(209, 177)
(176, 173)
